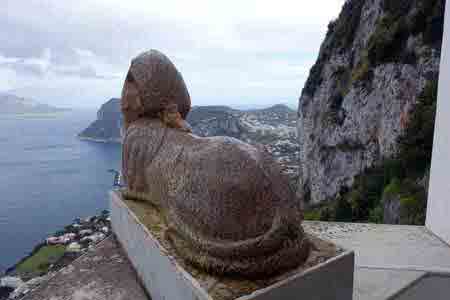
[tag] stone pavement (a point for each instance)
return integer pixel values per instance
(392, 262)
(102, 274)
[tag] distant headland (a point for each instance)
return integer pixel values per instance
(12, 105)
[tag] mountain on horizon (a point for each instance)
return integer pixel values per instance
(12, 104)
(275, 127)
(261, 106)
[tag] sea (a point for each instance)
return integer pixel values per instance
(49, 177)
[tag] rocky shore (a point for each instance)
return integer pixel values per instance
(53, 254)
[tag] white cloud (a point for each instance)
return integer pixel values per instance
(233, 51)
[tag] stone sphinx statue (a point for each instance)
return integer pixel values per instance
(228, 207)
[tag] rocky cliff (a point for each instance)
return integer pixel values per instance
(375, 62)
(107, 127)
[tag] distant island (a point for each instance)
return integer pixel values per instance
(107, 127)
(14, 105)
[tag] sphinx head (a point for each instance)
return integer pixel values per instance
(152, 84)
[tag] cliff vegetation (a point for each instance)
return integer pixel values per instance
(367, 113)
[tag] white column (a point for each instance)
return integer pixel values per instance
(438, 211)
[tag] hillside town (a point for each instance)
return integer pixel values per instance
(54, 253)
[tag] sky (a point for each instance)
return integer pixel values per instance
(233, 52)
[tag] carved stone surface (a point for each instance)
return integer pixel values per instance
(155, 83)
(228, 207)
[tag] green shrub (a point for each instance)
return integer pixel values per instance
(343, 210)
(429, 20)
(388, 42)
(393, 170)
(416, 144)
(366, 193)
(313, 215)
(413, 209)
(361, 71)
(376, 215)
(397, 8)
(408, 202)
(327, 214)
(393, 188)
(344, 28)
(342, 78)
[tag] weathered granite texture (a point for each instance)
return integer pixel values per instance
(166, 275)
(353, 109)
(157, 83)
(228, 207)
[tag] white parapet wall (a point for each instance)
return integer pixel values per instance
(438, 211)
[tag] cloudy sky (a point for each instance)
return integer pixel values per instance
(233, 52)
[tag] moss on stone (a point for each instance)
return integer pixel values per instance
(312, 215)
(362, 71)
(388, 42)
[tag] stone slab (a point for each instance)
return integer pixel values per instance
(381, 284)
(165, 278)
(101, 274)
(398, 247)
(391, 259)
(436, 287)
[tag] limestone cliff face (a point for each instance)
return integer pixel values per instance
(374, 62)
(108, 126)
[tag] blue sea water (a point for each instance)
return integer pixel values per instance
(48, 177)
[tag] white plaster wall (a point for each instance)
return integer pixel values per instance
(438, 211)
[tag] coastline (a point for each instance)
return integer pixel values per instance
(99, 140)
(75, 239)
(31, 115)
